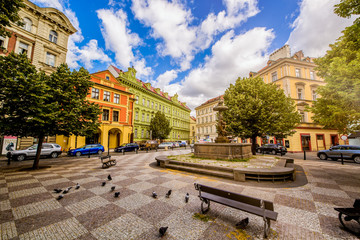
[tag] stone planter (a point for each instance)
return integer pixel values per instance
(223, 150)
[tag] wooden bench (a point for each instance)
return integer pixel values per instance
(107, 162)
(350, 216)
(259, 207)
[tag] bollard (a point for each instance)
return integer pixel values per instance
(156, 149)
(304, 155)
(136, 151)
(147, 149)
(9, 157)
(342, 159)
(123, 151)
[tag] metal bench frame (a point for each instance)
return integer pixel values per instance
(107, 162)
(349, 215)
(259, 207)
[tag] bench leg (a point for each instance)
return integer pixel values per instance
(105, 165)
(206, 201)
(266, 227)
(351, 222)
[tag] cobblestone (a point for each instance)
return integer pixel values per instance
(18, 183)
(26, 192)
(86, 205)
(8, 230)
(35, 208)
(5, 205)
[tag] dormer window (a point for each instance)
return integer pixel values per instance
(53, 36)
(27, 24)
(107, 78)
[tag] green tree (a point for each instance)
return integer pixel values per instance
(160, 126)
(9, 14)
(257, 109)
(339, 105)
(37, 105)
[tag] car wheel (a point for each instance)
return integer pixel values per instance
(357, 159)
(274, 152)
(99, 152)
(258, 150)
(322, 156)
(20, 157)
(54, 155)
(122, 150)
(78, 154)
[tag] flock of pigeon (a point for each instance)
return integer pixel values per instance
(242, 224)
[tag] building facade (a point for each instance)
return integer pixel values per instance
(295, 74)
(206, 120)
(44, 39)
(116, 103)
(149, 100)
(192, 129)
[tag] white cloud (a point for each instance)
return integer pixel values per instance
(119, 39)
(171, 22)
(164, 79)
(233, 56)
(316, 27)
(86, 54)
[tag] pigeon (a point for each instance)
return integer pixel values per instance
(243, 223)
(168, 193)
(103, 183)
(112, 188)
(187, 197)
(162, 231)
(58, 190)
(67, 190)
(60, 197)
(77, 186)
(109, 178)
(154, 195)
(117, 194)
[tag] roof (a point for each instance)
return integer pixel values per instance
(193, 118)
(354, 135)
(213, 100)
(152, 89)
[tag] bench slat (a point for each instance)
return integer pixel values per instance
(239, 205)
(236, 197)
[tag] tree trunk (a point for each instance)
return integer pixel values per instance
(253, 145)
(38, 152)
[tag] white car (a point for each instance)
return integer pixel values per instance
(166, 144)
(48, 149)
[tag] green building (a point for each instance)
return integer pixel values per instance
(149, 100)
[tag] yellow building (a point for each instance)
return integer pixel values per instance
(296, 76)
(206, 120)
(116, 119)
(192, 138)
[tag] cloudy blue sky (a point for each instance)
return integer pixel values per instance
(194, 48)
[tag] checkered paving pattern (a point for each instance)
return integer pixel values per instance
(29, 208)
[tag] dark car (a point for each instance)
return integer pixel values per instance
(127, 147)
(272, 148)
(87, 149)
(347, 151)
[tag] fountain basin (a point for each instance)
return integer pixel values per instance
(223, 150)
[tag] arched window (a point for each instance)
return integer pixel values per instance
(53, 36)
(27, 24)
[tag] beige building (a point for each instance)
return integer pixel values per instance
(192, 138)
(44, 36)
(295, 74)
(44, 39)
(206, 120)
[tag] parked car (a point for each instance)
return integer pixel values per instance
(48, 150)
(87, 149)
(166, 144)
(182, 143)
(176, 144)
(272, 148)
(127, 147)
(334, 153)
(148, 144)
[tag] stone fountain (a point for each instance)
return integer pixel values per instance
(222, 148)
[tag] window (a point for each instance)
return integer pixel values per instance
(159, 107)
(136, 115)
(148, 103)
(106, 96)
(302, 114)
(95, 93)
(274, 76)
(2, 41)
(210, 118)
(50, 59)
(116, 98)
(107, 78)
(115, 116)
(314, 95)
(23, 48)
(105, 115)
(135, 133)
(297, 72)
(147, 118)
(300, 93)
(143, 117)
(142, 133)
(27, 24)
(137, 99)
(143, 102)
(312, 76)
(155, 106)
(152, 104)
(53, 36)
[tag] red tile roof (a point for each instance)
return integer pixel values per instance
(213, 100)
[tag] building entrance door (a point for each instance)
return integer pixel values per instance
(305, 143)
(334, 140)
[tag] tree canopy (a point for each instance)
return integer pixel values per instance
(258, 109)
(9, 14)
(37, 105)
(160, 126)
(339, 105)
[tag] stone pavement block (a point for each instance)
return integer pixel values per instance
(134, 201)
(27, 192)
(8, 230)
(144, 177)
(22, 182)
(3, 190)
(298, 217)
(56, 181)
(298, 203)
(174, 184)
(5, 205)
(35, 208)
(140, 186)
(155, 211)
(86, 205)
(329, 192)
(128, 226)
